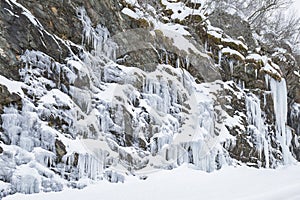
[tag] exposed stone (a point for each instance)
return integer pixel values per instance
(60, 150)
(8, 99)
(233, 25)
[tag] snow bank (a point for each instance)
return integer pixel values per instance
(230, 183)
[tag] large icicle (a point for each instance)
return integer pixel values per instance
(257, 126)
(295, 117)
(98, 38)
(279, 93)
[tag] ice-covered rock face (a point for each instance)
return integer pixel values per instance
(135, 102)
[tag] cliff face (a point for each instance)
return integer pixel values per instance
(101, 89)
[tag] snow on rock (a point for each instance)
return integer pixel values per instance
(26, 180)
(12, 86)
(219, 37)
(179, 40)
(130, 13)
(271, 69)
(132, 2)
(27, 13)
(180, 11)
(232, 53)
(237, 43)
(4, 189)
(254, 57)
(215, 32)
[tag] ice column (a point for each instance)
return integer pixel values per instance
(295, 117)
(98, 37)
(256, 124)
(279, 93)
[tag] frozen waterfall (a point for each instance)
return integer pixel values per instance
(279, 94)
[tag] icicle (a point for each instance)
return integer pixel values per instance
(187, 60)
(26, 180)
(98, 37)
(241, 84)
(167, 59)
(219, 57)
(265, 99)
(267, 81)
(279, 93)
(295, 117)
(256, 125)
(177, 63)
(231, 66)
(90, 166)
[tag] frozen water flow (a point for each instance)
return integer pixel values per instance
(279, 93)
(257, 126)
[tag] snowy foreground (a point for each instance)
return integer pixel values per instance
(240, 183)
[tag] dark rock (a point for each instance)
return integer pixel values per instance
(76, 157)
(8, 99)
(20, 34)
(233, 25)
(60, 150)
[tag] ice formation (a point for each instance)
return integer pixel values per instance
(257, 126)
(295, 116)
(98, 38)
(107, 108)
(279, 93)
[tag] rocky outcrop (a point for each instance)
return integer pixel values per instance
(8, 99)
(234, 26)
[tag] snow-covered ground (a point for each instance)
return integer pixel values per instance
(232, 183)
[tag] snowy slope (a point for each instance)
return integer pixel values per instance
(229, 183)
